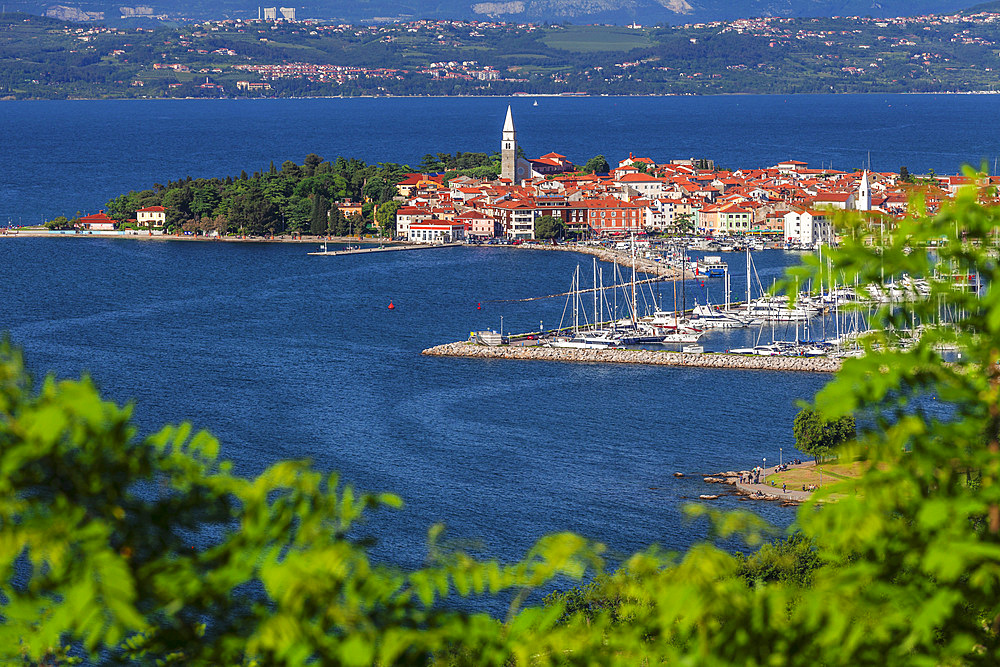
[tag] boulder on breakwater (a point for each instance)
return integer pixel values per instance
(649, 357)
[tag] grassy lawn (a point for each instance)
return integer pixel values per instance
(590, 39)
(821, 475)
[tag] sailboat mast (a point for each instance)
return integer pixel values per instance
(748, 280)
(576, 300)
(635, 306)
(596, 320)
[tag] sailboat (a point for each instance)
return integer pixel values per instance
(583, 339)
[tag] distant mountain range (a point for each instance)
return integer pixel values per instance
(621, 12)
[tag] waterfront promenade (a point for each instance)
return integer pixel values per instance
(646, 357)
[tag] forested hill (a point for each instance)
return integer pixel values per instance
(48, 59)
(620, 12)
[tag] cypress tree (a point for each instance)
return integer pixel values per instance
(318, 219)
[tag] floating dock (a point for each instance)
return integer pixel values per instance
(646, 357)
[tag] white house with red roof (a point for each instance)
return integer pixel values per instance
(791, 166)
(843, 201)
(98, 222)
(152, 218)
(632, 161)
(643, 185)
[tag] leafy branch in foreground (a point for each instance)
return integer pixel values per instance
(153, 542)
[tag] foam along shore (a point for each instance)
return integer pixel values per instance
(646, 357)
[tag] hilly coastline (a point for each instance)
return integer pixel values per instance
(44, 58)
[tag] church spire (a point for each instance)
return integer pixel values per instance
(508, 150)
(508, 124)
(864, 193)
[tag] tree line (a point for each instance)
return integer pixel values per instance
(292, 199)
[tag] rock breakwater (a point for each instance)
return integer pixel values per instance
(603, 254)
(648, 357)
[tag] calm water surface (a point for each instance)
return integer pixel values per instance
(283, 355)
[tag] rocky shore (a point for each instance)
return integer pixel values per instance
(752, 491)
(649, 357)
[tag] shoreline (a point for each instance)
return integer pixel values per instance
(566, 95)
(349, 240)
(760, 491)
(640, 357)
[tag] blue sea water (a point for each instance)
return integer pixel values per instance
(284, 355)
(58, 157)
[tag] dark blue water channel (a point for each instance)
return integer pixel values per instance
(284, 355)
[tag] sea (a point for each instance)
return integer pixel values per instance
(283, 355)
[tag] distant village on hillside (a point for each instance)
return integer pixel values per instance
(789, 202)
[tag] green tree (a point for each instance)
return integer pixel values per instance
(385, 217)
(60, 222)
(548, 227)
(818, 436)
(123, 207)
(254, 214)
(597, 165)
(298, 214)
(684, 223)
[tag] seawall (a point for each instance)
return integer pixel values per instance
(647, 357)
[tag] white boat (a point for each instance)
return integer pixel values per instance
(682, 337)
(711, 317)
(595, 340)
(711, 266)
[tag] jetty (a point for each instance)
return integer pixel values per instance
(604, 254)
(644, 357)
(392, 248)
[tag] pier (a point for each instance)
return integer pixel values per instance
(392, 248)
(624, 259)
(645, 357)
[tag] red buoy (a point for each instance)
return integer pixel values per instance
(391, 307)
(479, 306)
